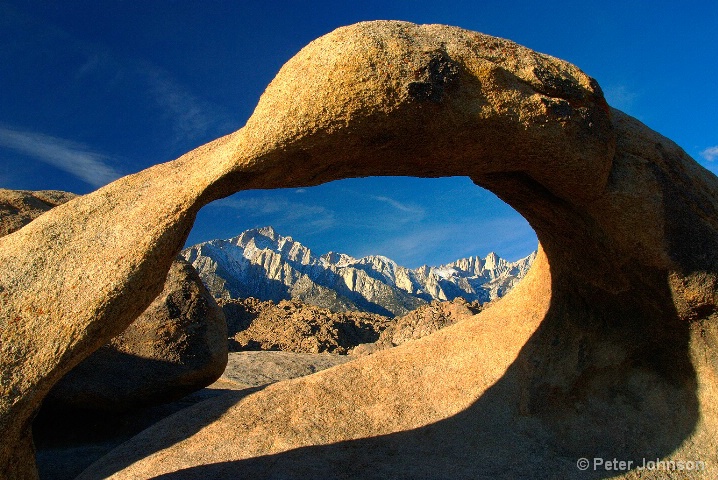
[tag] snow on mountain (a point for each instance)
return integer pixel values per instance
(263, 264)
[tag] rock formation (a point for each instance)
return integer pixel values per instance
(423, 321)
(176, 346)
(292, 326)
(20, 207)
(606, 349)
(263, 264)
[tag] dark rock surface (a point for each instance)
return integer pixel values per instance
(178, 345)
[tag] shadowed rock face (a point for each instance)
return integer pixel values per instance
(607, 348)
(178, 345)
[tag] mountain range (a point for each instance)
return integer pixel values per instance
(263, 264)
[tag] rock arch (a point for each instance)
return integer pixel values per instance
(608, 347)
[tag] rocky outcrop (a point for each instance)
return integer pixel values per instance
(69, 443)
(292, 326)
(423, 321)
(263, 264)
(178, 345)
(20, 207)
(606, 349)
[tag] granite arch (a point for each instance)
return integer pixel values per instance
(613, 330)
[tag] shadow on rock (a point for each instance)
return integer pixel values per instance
(606, 390)
(68, 441)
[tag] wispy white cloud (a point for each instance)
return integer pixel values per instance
(280, 211)
(191, 116)
(72, 157)
(98, 61)
(406, 208)
(509, 237)
(710, 153)
(411, 247)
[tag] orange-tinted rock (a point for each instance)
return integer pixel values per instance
(176, 346)
(606, 349)
(20, 207)
(293, 326)
(419, 323)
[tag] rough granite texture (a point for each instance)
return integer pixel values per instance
(293, 326)
(423, 321)
(255, 369)
(178, 344)
(69, 443)
(20, 207)
(607, 348)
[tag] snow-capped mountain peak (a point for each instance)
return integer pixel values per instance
(264, 264)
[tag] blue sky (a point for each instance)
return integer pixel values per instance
(93, 90)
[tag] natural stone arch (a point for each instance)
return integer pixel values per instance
(614, 324)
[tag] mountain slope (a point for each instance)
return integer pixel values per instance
(260, 263)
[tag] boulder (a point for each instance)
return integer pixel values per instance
(178, 345)
(293, 326)
(419, 323)
(258, 368)
(606, 349)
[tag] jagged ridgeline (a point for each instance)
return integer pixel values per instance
(263, 264)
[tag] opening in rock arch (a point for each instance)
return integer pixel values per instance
(357, 261)
(413, 221)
